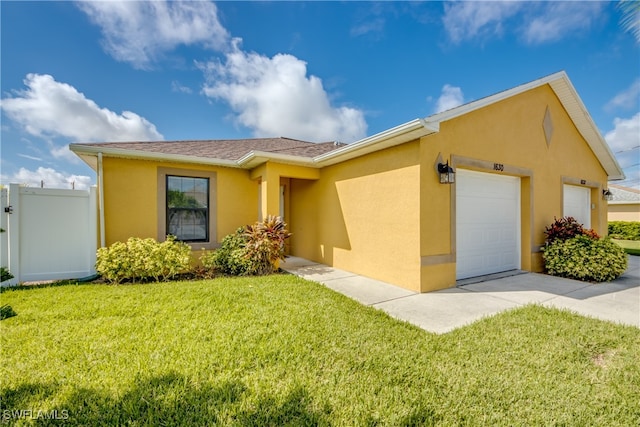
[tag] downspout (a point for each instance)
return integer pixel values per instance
(101, 198)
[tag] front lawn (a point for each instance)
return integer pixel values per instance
(283, 351)
(632, 247)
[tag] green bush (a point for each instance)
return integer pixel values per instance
(585, 258)
(624, 230)
(6, 311)
(143, 259)
(5, 274)
(252, 250)
(230, 257)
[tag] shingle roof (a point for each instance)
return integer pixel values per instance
(624, 194)
(225, 149)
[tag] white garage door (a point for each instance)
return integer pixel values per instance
(577, 203)
(487, 223)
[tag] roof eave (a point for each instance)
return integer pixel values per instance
(395, 136)
(583, 121)
(624, 202)
(256, 158)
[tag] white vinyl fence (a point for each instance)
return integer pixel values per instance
(50, 234)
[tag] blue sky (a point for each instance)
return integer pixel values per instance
(317, 71)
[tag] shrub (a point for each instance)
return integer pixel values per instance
(585, 258)
(230, 257)
(6, 311)
(252, 250)
(566, 228)
(143, 259)
(5, 274)
(266, 244)
(624, 230)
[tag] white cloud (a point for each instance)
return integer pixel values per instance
(626, 99)
(50, 177)
(533, 22)
(625, 134)
(26, 156)
(477, 19)
(274, 97)
(624, 141)
(450, 97)
(140, 32)
(63, 152)
(560, 18)
(48, 108)
(176, 86)
(375, 25)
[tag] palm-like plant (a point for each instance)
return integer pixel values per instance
(266, 244)
(631, 17)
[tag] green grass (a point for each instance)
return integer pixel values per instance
(632, 247)
(283, 351)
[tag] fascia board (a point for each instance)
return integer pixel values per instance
(481, 103)
(256, 158)
(584, 123)
(623, 202)
(395, 136)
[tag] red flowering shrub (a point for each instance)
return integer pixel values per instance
(567, 228)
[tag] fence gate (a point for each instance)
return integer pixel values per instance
(50, 234)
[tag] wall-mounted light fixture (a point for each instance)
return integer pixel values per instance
(446, 173)
(607, 195)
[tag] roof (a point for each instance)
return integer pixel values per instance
(624, 195)
(225, 149)
(248, 153)
(222, 151)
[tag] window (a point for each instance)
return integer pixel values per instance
(188, 208)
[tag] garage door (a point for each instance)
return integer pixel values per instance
(577, 203)
(487, 223)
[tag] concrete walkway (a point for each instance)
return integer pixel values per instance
(445, 310)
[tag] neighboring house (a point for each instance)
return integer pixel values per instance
(376, 207)
(625, 204)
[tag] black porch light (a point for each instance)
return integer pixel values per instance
(446, 173)
(607, 195)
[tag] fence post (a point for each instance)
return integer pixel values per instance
(4, 242)
(93, 227)
(13, 230)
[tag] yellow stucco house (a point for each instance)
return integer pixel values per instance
(377, 207)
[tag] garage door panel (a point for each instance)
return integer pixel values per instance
(487, 223)
(577, 204)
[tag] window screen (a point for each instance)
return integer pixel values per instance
(188, 208)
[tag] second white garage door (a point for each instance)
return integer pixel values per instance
(577, 204)
(487, 223)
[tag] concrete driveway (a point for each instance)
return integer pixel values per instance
(445, 310)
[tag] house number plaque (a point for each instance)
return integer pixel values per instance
(498, 167)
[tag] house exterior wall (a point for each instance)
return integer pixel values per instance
(362, 215)
(624, 211)
(131, 198)
(506, 137)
